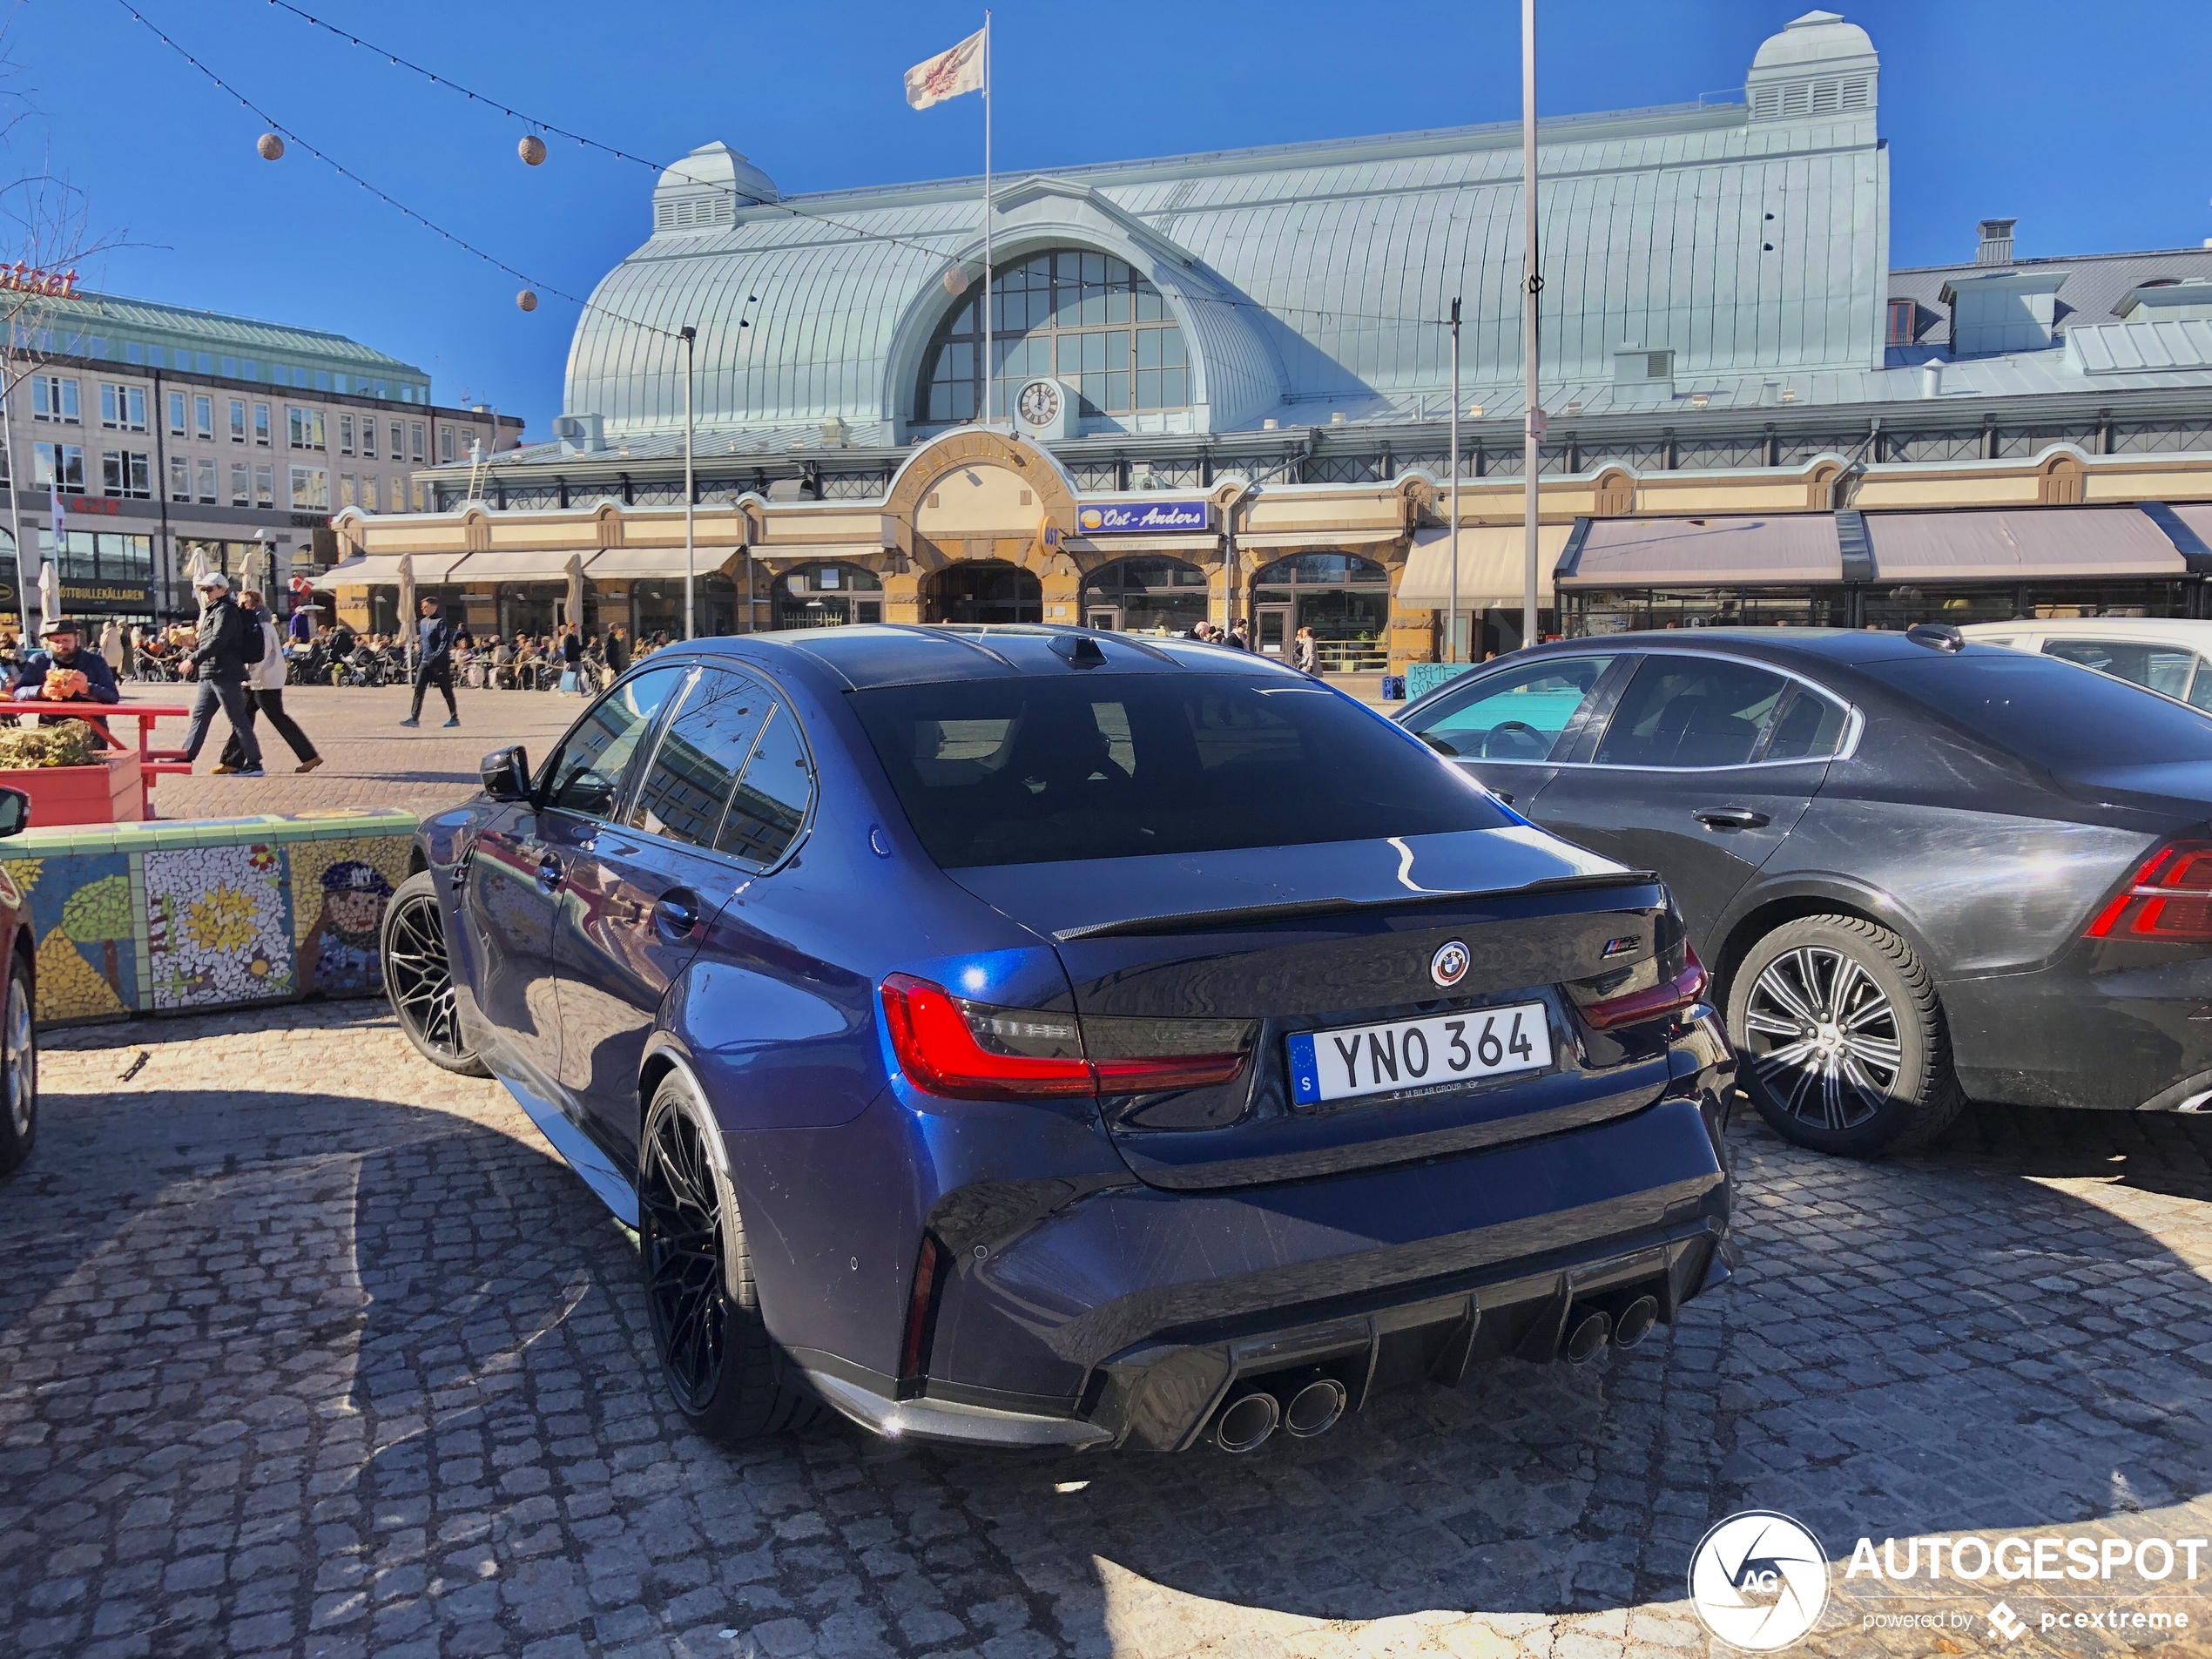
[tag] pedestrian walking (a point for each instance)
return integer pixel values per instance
(265, 691)
(112, 646)
(229, 644)
(1240, 635)
(617, 652)
(572, 659)
(438, 633)
(1306, 657)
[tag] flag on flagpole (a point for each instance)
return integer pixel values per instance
(948, 75)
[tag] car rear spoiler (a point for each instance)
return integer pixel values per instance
(1300, 910)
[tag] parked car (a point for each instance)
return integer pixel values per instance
(2171, 656)
(1921, 869)
(19, 1037)
(1036, 1037)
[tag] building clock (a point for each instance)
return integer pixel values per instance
(1040, 403)
(1044, 410)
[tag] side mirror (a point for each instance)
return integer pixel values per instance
(15, 811)
(505, 774)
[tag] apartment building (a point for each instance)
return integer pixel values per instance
(170, 432)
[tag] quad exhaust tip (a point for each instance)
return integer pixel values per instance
(1586, 1336)
(1314, 1408)
(1246, 1421)
(1633, 1323)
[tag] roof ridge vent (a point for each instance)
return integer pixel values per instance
(1996, 244)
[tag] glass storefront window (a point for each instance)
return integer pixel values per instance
(1344, 599)
(657, 607)
(1621, 610)
(1146, 595)
(828, 596)
(984, 590)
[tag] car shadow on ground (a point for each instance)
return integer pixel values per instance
(399, 1358)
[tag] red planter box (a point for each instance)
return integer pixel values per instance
(112, 792)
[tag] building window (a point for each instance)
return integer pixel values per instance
(445, 445)
(310, 490)
(305, 428)
(1145, 596)
(59, 466)
(203, 481)
(415, 439)
(128, 473)
(368, 495)
(345, 435)
(261, 425)
(123, 408)
(53, 397)
(203, 416)
(179, 478)
(241, 484)
(1903, 314)
(264, 486)
(176, 414)
(368, 437)
(399, 440)
(346, 485)
(1084, 317)
(238, 420)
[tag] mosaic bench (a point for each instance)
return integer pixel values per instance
(160, 917)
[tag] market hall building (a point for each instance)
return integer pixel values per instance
(1221, 386)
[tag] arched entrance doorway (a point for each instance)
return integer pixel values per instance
(1343, 597)
(1145, 596)
(984, 590)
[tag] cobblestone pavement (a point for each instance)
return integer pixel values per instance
(370, 758)
(306, 1348)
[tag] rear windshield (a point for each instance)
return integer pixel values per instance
(2052, 712)
(1103, 765)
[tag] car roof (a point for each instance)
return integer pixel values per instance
(1780, 646)
(2097, 628)
(864, 655)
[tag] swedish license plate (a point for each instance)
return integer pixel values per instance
(1357, 1060)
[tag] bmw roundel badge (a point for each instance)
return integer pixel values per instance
(1449, 965)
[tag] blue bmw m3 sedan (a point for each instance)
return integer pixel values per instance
(1034, 1036)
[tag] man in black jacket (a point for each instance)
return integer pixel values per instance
(230, 642)
(439, 633)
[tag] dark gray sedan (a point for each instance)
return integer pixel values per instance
(1920, 870)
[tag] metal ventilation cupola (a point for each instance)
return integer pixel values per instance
(708, 188)
(1818, 68)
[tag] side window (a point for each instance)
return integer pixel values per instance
(1516, 715)
(696, 763)
(772, 793)
(1684, 711)
(584, 775)
(2164, 669)
(1810, 728)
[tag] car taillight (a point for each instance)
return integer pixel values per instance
(970, 1050)
(1666, 997)
(2169, 900)
(941, 1041)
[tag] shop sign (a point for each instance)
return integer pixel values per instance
(103, 598)
(27, 279)
(1150, 518)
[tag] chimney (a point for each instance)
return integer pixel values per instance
(1996, 242)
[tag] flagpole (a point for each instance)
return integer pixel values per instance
(990, 368)
(1531, 283)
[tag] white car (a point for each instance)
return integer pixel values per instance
(2170, 656)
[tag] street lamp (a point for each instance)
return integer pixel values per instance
(690, 492)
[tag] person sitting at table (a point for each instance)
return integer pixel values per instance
(64, 673)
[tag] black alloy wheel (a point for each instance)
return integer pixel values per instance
(418, 977)
(700, 1299)
(1841, 1038)
(18, 1072)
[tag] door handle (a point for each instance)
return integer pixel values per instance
(678, 913)
(548, 872)
(1730, 817)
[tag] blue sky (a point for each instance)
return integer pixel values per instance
(2085, 122)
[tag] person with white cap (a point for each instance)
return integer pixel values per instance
(230, 643)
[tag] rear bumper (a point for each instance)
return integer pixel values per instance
(1124, 1316)
(2079, 1033)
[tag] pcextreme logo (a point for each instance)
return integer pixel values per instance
(1759, 1580)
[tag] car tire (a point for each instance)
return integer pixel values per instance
(700, 1298)
(18, 1071)
(418, 977)
(1859, 1074)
